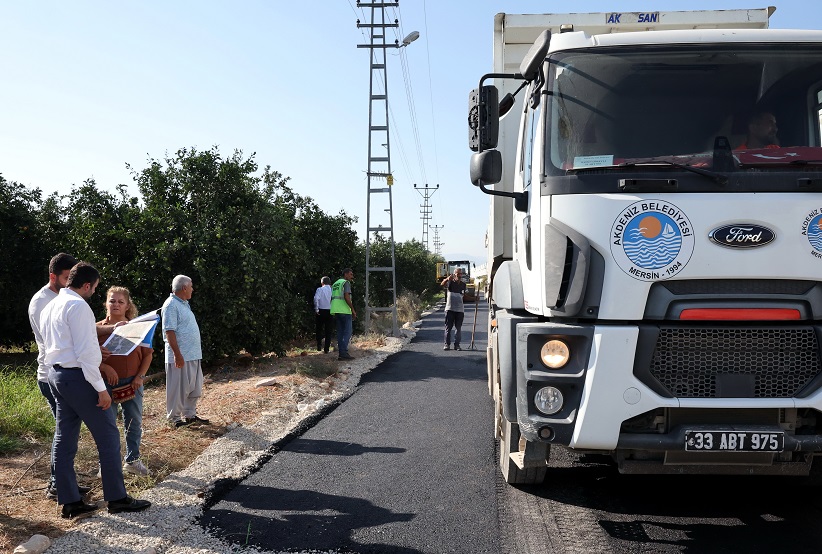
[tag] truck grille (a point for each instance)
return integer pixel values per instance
(778, 362)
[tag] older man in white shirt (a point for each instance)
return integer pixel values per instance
(69, 336)
(322, 309)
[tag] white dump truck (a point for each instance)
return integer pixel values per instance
(655, 240)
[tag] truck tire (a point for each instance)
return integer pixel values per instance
(509, 443)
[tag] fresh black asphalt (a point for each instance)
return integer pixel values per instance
(404, 465)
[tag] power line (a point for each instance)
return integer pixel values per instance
(403, 157)
(431, 93)
(437, 244)
(379, 165)
(425, 210)
(412, 109)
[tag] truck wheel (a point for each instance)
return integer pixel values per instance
(509, 443)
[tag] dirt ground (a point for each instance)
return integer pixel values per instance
(230, 398)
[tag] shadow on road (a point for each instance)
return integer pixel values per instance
(686, 513)
(273, 518)
(336, 448)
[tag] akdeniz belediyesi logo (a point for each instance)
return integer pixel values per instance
(652, 240)
(814, 231)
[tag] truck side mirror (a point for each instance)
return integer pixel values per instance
(529, 68)
(486, 167)
(483, 118)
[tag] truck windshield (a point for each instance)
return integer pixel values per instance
(628, 106)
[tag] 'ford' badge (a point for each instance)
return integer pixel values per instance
(742, 235)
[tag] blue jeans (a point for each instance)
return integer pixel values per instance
(132, 420)
(45, 390)
(344, 332)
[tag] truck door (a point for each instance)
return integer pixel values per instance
(530, 169)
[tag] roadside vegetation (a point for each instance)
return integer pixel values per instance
(301, 375)
(25, 416)
(255, 249)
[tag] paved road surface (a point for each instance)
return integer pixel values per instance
(407, 465)
(404, 465)
(585, 505)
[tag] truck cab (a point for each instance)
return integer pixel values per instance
(655, 241)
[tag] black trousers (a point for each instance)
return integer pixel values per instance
(453, 320)
(324, 330)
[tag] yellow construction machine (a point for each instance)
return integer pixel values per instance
(444, 269)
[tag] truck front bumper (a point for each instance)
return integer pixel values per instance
(601, 391)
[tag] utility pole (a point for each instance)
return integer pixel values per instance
(379, 163)
(437, 244)
(425, 210)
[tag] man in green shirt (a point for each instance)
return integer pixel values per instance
(342, 308)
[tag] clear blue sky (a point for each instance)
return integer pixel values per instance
(88, 86)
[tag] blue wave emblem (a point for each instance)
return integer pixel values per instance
(815, 233)
(654, 241)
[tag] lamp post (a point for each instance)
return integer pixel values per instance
(379, 165)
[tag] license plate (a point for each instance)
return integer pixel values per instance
(734, 441)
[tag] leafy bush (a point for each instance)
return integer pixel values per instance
(255, 249)
(409, 307)
(415, 269)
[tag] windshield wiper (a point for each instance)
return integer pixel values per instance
(712, 175)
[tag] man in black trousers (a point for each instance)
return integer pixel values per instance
(322, 309)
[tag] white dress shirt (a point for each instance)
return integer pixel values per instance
(70, 336)
(322, 298)
(38, 302)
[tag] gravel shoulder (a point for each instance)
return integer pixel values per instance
(170, 525)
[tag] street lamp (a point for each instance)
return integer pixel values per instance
(411, 37)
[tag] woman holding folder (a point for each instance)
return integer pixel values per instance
(124, 377)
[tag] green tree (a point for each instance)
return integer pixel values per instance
(415, 269)
(103, 229)
(255, 249)
(213, 219)
(26, 263)
(325, 245)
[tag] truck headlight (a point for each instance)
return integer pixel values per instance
(548, 400)
(554, 354)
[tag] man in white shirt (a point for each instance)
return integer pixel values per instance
(69, 336)
(59, 267)
(322, 308)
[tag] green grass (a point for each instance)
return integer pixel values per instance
(25, 416)
(316, 371)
